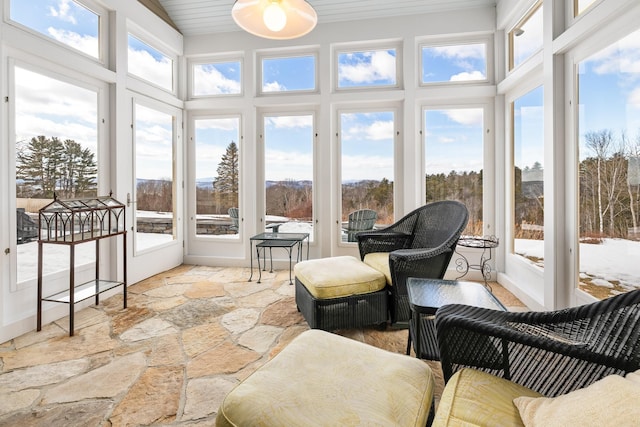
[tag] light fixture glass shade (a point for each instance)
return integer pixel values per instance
(299, 18)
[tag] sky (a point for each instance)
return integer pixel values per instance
(611, 75)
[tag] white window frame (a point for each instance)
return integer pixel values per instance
(337, 50)
(192, 200)
(142, 36)
(285, 54)
(213, 60)
(510, 36)
(487, 40)
(397, 156)
(103, 30)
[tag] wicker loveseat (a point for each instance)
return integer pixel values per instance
(579, 363)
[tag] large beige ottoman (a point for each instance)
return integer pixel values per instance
(322, 379)
(341, 293)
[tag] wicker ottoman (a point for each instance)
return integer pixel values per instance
(322, 379)
(340, 293)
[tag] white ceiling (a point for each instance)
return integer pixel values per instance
(194, 17)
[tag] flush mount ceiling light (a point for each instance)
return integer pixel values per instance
(275, 19)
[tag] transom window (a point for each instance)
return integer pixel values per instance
(367, 68)
(150, 64)
(525, 38)
(461, 62)
(66, 21)
(580, 6)
(288, 74)
(216, 78)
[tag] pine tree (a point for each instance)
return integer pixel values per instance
(226, 184)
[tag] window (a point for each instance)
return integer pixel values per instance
(288, 171)
(288, 74)
(454, 160)
(150, 64)
(154, 178)
(66, 21)
(453, 63)
(367, 164)
(56, 152)
(216, 78)
(217, 155)
(528, 174)
(609, 168)
(367, 68)
(580, 6)
(526, 38)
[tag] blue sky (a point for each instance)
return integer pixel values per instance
(609, 96)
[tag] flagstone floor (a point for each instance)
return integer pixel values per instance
(188, 336)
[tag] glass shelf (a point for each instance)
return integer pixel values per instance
(84, 291)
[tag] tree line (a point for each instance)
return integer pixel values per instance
(49, 165)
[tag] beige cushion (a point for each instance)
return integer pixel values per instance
(379, 261)
(474, 398)
(611, 401)
(338, 277)
(322, 379)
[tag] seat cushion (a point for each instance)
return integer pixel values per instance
(322, 379)
(475, 398)
(379, 261)
(337, 277)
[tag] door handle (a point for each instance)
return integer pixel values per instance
(129, 201)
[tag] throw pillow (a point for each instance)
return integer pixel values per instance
(612, 400)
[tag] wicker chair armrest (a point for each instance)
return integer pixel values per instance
(550, 352)
(419, 254)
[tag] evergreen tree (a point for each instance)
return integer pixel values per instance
(226, 184)
(50, 165)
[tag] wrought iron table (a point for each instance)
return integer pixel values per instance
(426, 296)
(486, 243)
(269, 241)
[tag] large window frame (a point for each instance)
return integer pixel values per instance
(58, 279)
(486, 174)
(397, 182)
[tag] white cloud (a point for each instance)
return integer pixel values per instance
(466, 116)
(86, 44)
(208, 81)
(143, 65)
(446, 140)
(460, 51)
(381, 66)
(273, 87)
(290, 122)
(63, 12)
(221, 124)
(283, 165)
(375, 131)
(49, 107)
(620, 57)
(467, 76)
(367, 167)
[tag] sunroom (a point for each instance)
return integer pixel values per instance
(527, 111)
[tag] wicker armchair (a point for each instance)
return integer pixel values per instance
(420, 244)
(550, 352)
